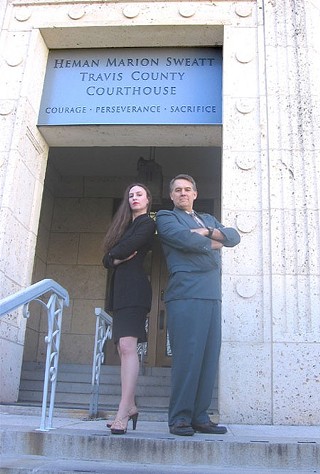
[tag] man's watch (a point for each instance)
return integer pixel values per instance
(210, 230)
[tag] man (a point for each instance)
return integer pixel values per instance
(191, 245)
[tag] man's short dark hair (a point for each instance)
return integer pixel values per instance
(187, 177)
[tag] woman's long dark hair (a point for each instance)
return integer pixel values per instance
(122, 218)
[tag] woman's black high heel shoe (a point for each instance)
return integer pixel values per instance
(134, 419)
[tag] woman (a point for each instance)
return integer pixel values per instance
(126, 244)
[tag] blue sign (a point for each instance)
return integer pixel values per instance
(132, 86)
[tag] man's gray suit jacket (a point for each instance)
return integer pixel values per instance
(194, 267)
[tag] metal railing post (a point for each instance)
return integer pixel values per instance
(58, 299)
(103, 332)
(54, 309)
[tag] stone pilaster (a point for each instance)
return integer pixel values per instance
(23, 155)
(293, 76)
(245, 365)
(269, 370)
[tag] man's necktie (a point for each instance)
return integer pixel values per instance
(197, 219)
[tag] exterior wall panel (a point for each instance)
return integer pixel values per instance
(270, 175)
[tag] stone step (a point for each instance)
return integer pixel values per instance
(75, 449)
(74, 386)
(109, 388)
(82, 374)
(106, 402)
(46, 465)
(87, 369)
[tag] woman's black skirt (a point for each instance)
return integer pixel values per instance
(130, 322)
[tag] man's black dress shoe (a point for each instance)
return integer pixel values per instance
(181, 428)
(209, 428)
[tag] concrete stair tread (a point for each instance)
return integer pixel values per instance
(79, 444)
(87, 369)
(23, 464)
(74, 386)
(89, 440)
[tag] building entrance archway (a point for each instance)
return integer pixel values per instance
(81, 188)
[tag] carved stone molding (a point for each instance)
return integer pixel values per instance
(243, 10)
(76, 12)
(246, 287)
(131, 11)
(22, 14)
(187, 11)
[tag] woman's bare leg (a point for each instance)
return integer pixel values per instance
(127, 348)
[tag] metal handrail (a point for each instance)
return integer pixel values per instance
(103, 332)
(58, 298)
(26, 295)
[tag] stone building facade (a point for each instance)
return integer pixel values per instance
(260, 171)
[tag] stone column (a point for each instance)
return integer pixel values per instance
(269, 361)
(245, 364)
(23, 156)
(292, 43)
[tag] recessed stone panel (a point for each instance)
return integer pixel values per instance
(84, 318)
(296, 308)
(91, 249)
(80, 214)
(30, 345)
(20, 197)
(10, 362)
(239, 130)
(245, 383)
(39, 270)
(243, 190)
(17, 263)
(240, 56)
(77, 349)
(81, 281)
(244, 321)
(292, 252)
(47, 206)
(247, 258)
(296, 366)
(63, 248)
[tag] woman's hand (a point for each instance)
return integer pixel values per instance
(117, 261)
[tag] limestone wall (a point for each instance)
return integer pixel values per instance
(270, 183)
(268, 369)
(23, 158)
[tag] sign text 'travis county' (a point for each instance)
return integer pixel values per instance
(133, 86)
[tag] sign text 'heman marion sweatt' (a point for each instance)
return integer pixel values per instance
(133, 86)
